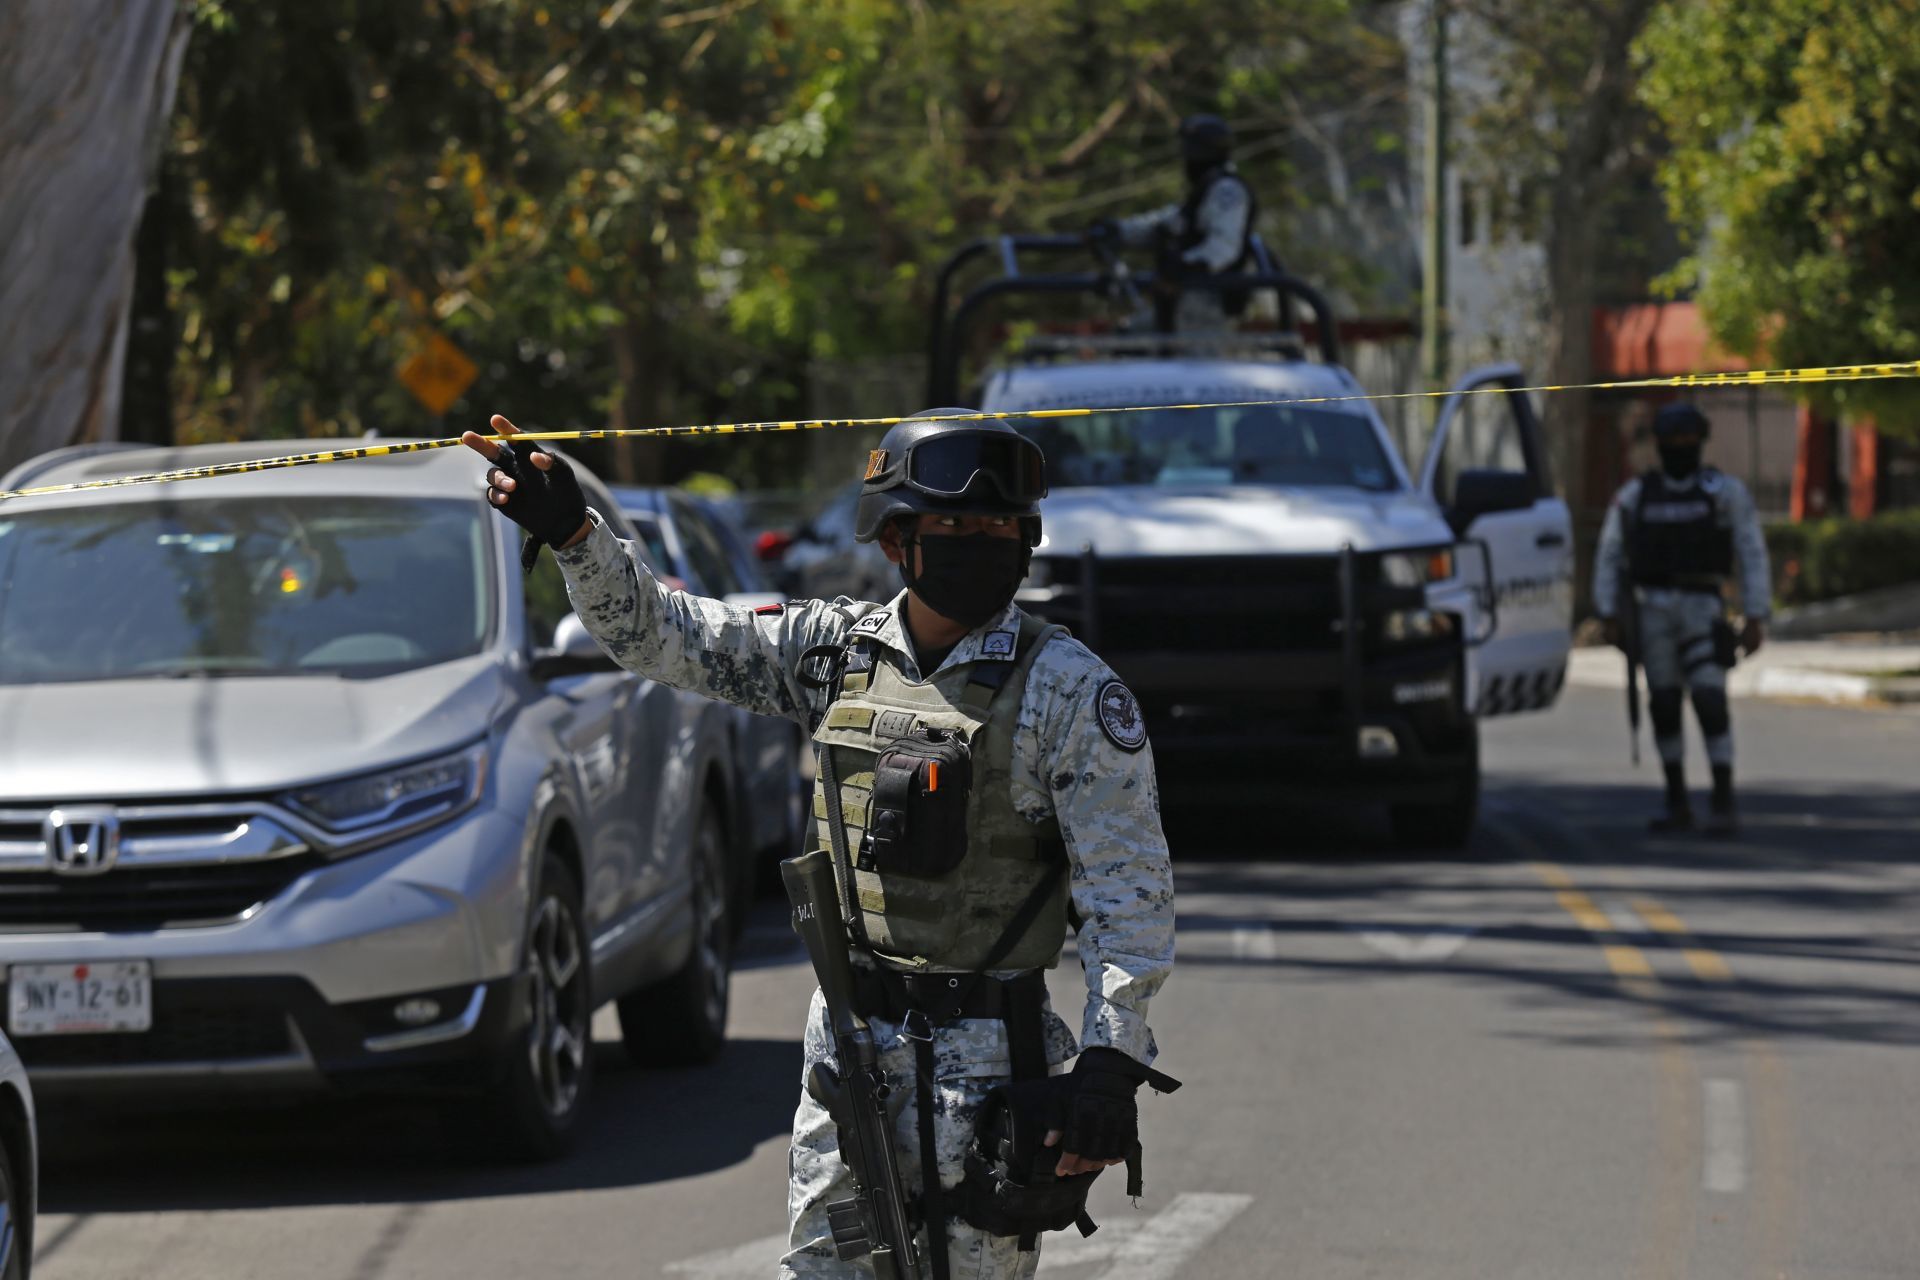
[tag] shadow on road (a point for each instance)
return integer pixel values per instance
(642, 1127)
(1811, 907)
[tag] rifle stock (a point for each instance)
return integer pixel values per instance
(873, 1223)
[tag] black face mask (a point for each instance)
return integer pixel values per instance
(1680, 460)
(969, 578)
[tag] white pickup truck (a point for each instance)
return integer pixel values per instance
(1297, 610)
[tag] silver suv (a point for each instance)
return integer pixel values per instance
(303, 783)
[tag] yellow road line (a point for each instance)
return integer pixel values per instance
(1628, 963)
(1546, 870)
(1705, 963)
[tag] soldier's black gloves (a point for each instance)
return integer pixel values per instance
(1098, 1116)
(546, 503)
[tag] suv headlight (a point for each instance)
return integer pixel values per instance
(1416, 568)
(399, 800)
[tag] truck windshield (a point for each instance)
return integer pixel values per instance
(241, 586)
(1264, 444)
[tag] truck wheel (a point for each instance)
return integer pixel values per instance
(539, 1089)
(682, 1022)
(1447, 824)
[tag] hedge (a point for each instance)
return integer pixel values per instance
(1822, 559)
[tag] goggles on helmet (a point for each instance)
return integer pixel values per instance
(959, 464)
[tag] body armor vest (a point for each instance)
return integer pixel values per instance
(1677, 539)
(952, 920)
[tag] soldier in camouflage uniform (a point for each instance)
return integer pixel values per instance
(1063, 816)
(1672, 538)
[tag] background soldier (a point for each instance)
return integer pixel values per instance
(1062, 812)
(1207, 233)
(1673, 536)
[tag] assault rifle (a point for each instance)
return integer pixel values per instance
(874, 1222)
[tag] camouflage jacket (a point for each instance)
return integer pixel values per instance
(1080, 752)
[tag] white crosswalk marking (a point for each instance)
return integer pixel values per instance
(1255, 944)
(1725, 1168)
(1152, 1250)
(1167, 1241)
(1415, 943)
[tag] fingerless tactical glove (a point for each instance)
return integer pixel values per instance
(1098, 1115)
(546, 503)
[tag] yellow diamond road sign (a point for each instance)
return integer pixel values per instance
(438, 374)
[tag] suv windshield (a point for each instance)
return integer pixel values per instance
(1262, 444)
(247, 586)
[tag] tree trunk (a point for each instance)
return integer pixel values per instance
(146, 405)
(88, 86)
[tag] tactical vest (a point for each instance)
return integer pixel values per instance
(951, 921)
(1677, 538)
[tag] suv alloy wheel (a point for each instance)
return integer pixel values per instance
(542, 1083)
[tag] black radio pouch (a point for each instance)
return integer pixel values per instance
(1010, 1188)
(918, 823)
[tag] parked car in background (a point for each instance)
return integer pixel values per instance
(694, 546)
(304, 783)
(19, 1167)
(822, 561)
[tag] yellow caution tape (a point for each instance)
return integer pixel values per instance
(1749, 378)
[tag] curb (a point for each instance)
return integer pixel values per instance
(1605, 670)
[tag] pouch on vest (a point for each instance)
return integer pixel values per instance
(918, 825)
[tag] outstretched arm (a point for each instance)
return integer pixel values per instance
(743, 656)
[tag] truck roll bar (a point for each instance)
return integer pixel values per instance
(947, 334)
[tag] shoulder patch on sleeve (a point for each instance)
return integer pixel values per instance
(1120, 716)
(872, 622)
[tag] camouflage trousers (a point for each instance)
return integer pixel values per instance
(1676, 649)
(970, 1058)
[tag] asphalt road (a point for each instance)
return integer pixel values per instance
(1577, 1051)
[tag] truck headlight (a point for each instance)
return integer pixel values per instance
(401, 799)
(1404, 626)
(1416, 568)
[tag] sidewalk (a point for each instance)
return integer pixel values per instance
(1866, 669)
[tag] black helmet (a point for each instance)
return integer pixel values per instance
(1680, 420)
(951, 468)
(1205, 141)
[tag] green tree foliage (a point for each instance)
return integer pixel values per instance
(639, 213)
(1795, 127)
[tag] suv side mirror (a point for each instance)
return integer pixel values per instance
(574, 652)
(1479, 493)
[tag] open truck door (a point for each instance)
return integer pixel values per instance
(1486, 468)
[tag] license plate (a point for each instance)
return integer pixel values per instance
(79, 999)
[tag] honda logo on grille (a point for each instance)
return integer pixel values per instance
(82, 842)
